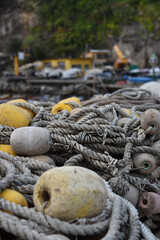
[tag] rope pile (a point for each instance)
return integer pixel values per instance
(92, 139)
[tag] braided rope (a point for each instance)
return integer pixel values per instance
(94, 142)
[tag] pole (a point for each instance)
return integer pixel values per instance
(153, 62)
(154, 73)
(16, 66)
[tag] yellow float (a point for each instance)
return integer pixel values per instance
(70, 192)
(23, 101)
(63, 105)
(7, 148)
(129, 111)
(14, 196)
(13, 116)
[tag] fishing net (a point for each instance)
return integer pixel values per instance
(104, 135)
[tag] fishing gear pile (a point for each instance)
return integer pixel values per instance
(81, 169)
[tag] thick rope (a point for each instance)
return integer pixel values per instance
(90, 138)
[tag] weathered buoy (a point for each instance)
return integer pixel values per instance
(121, 122)
(23, 101)
(109, 115)
(44, 159)
(63, 105)
(145, 163)
(153, 87)
(14, 196)
(128, 111)
(70, 192)
(30, 141)
(150, 120)
(74, 111)
(56, 237)
(149, 203)
(132, 195)
(156, 145)
(13, 116)
(7, 148)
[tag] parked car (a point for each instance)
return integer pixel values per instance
(71, 73)
(92, 73)
(49, 73)
(108, 72)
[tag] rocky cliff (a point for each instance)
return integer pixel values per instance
(15, 21)
(138, 45)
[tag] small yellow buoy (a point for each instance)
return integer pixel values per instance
(7, 148)
(63, 105)
(13, 196)
(129, 111)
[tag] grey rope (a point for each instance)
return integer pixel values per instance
(94, 142)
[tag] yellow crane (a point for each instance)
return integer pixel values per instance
(121, 61)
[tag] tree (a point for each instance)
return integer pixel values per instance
(14, 45)
(66, 26)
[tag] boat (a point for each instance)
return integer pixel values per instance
(139, 79)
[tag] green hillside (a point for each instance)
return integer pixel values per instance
(66, 27)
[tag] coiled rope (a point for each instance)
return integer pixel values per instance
(92, 139)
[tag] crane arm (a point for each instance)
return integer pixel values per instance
(116, 48)
(118, 51)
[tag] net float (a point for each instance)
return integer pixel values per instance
(23, 101)
(145, 163)
(156, 145)
(150, 121)
(132, 195)
(70, 192)
(7, 148)
(63, 105)
(30, 141)
(13, 196)
(13, 116)
(149, 203)
(121, 122)
(44, 159)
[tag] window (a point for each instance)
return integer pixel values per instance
(101, 56)
(61, 65)
(86, 67)
(48, 64)
(77, 66)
